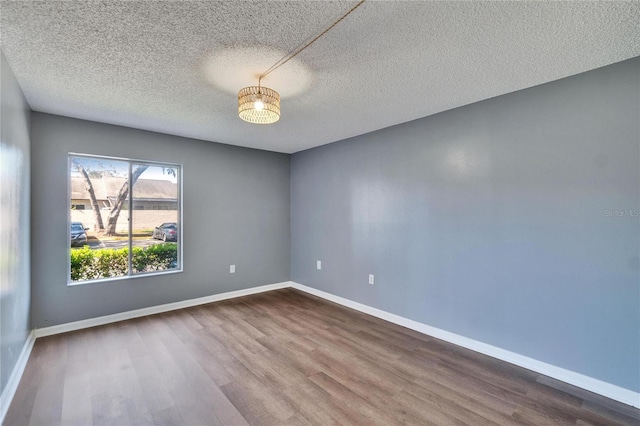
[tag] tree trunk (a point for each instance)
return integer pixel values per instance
(112, 220)
(98, 225)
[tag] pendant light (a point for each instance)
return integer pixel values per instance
(259, 105)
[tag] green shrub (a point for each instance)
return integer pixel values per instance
(112, 262)
(82, 264)
(157, 257)
(89, 264)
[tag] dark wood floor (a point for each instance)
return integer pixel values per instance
(285, 358)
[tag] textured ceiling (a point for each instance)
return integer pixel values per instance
(176, 67)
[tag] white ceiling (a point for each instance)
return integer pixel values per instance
(175, 67)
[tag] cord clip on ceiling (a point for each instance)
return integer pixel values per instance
(261, 105)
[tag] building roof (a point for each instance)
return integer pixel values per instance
(108, 187)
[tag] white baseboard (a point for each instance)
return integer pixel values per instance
(122, 316)
(14, 380)
(609, 390)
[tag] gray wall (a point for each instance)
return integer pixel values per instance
(236, 211)
(496, 221)
(14, 227)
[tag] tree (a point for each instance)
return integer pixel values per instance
(98, 224)
(99, 170)
(169, 171)
(112, 220)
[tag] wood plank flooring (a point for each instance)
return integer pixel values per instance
(285, 358)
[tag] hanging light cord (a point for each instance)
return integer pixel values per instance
(289, 56)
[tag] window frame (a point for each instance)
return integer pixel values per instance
(179, 211)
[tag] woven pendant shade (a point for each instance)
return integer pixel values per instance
(259, 105)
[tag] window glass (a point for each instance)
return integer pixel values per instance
(112, 237)
(155, 212)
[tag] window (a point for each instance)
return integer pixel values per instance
(123, 230)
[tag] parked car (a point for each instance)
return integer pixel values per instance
(78, 234)
(166, 232)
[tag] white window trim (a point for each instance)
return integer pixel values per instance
(129, 275)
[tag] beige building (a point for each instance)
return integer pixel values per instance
(148, 194)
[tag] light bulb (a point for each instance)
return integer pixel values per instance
(258, 105)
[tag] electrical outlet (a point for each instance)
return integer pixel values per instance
(371, 279)
(232, 269)
(318, 264)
